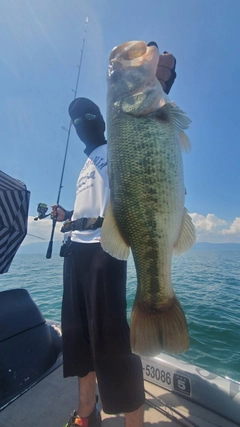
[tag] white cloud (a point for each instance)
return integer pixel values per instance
(212, 229)
(234, 228)
(42, 229)
(208, 223)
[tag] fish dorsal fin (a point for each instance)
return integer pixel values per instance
(112, 240)
(187, 236)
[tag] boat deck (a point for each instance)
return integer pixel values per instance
(50, 402)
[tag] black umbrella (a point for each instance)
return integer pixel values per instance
(14, 203)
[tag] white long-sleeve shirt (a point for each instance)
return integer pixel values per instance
(92, 194)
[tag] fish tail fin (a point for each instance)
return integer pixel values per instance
(159, 330)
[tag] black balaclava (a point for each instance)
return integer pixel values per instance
(88, 122)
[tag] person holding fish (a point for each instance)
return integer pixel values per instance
(95, 331)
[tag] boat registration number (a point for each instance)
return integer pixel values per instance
(166, 377)
(162, 376)
(156, 374)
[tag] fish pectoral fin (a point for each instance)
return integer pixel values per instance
(112, 240)
(171, 112)
(184, 141)
(187, 236)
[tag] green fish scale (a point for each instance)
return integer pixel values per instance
(146, 183)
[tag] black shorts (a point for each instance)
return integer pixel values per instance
(96, 334)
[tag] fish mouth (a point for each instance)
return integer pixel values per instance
(130, 57)
(134, 52)
(128, 51)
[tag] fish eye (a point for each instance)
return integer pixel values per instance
(115, 70)
(115, 74)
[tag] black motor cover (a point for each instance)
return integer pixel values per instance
(29, 347)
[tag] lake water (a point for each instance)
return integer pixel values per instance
(207, 284)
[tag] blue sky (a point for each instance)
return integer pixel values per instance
(40, 44)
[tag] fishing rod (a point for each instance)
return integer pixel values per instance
(54, 221)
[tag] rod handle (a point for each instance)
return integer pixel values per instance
(50, 246)
(49, 251)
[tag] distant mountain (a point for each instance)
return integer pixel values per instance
(205, 246)
(40, 248)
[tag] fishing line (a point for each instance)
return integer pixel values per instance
(54, 221)
(166, 413)
(32, 235)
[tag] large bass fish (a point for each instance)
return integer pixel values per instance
(146, 211)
